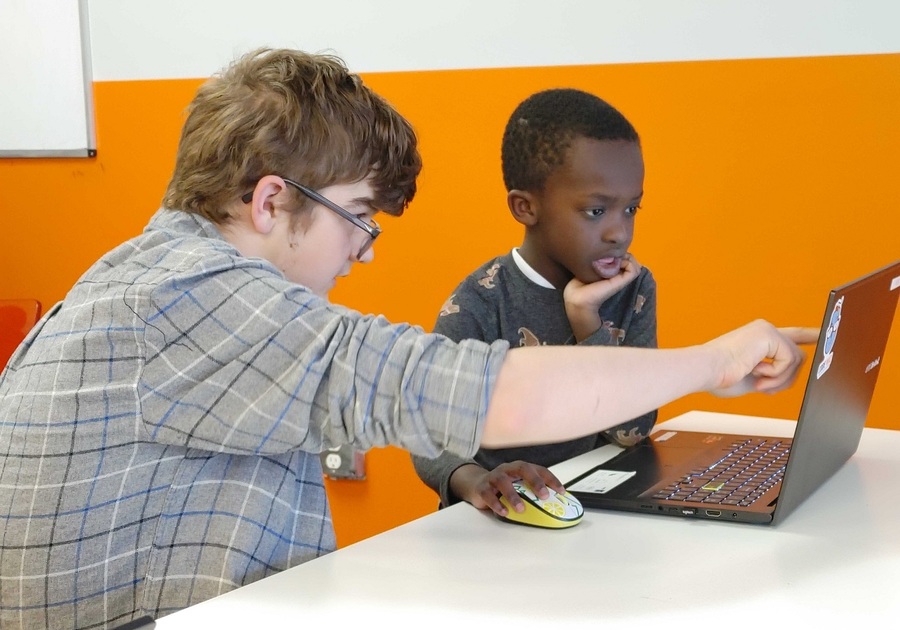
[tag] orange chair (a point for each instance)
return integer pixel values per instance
(16, 318)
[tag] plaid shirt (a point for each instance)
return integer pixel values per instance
(158, 428)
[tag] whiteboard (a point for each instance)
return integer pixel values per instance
(46, 104)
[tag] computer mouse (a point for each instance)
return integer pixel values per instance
(557, 511)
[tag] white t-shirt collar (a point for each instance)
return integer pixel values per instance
(529, 272)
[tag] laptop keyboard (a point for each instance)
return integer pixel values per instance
(752, 468)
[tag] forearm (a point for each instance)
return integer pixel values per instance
(550, 394)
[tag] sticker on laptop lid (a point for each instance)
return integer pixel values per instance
(831, 332)
(601, 481)
(895, 283)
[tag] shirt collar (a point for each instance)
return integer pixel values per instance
(529, 271)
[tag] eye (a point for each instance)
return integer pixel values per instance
(367, 217)
(366, 211)
(632, 210)
(595, 212)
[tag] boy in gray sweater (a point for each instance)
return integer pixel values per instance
(574, 173)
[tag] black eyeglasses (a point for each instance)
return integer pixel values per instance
(371, 228)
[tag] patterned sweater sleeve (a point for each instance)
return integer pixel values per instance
(463, 316)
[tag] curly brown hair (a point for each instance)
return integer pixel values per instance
(293, 114)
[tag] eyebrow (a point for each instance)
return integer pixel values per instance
(366, 202)
(608, 198)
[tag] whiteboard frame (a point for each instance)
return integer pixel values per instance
(62, 94)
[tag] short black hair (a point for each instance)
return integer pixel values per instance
(542, 128)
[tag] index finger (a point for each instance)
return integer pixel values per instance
(538, 477)
(801, 334)
(631, 260)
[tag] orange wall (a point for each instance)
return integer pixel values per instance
(768, 182)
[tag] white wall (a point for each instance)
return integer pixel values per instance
(144, 39)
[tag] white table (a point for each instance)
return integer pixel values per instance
(836, 559)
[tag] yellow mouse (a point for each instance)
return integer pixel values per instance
(557, 511)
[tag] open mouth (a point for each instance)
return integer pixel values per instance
(607, 267)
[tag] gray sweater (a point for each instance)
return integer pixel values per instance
(498, 301)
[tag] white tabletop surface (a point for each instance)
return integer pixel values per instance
(836, 559)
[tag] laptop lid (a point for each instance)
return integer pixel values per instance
(843, 373)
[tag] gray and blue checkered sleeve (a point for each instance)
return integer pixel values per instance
(243, 362)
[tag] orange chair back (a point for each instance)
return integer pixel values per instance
(16, 318)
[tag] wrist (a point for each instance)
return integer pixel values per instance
(464, 479)
(713, 366)
(584, 322)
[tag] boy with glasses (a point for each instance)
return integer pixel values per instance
(161, 425)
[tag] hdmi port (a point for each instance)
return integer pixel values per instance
(713, 513)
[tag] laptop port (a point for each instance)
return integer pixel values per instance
(713, 513)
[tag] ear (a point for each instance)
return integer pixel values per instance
(264, 204)
(523, 206)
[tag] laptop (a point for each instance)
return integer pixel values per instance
(758, 479)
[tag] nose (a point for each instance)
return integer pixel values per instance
(617, 228)
(367, 254)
